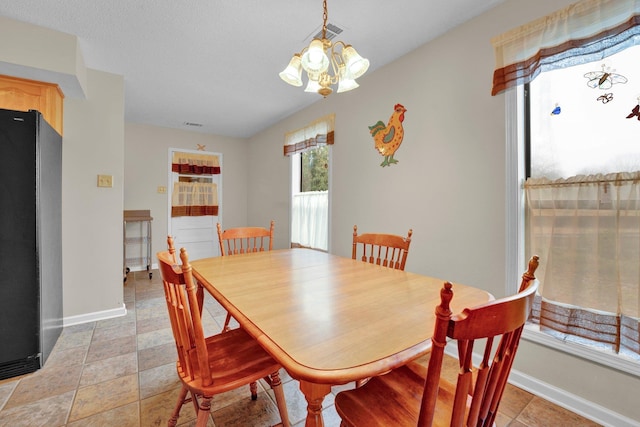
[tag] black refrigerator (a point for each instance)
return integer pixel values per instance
(30, 241)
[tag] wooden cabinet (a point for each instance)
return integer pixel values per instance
(24, 95)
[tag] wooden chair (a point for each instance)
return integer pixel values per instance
(241, 240)
(215, 364)
(388, 250)
(414, 396)
(200, 299)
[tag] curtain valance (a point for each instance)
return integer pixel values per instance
(583, 32)
(195, 163)
(318, 132)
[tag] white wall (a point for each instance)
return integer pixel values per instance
(37, 53)
(146, 168)
(449, 184)
(93, 144)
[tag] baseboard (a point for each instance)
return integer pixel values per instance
(569, 401)
(560, 397)
(94, 317)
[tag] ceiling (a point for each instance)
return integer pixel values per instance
(215, 63)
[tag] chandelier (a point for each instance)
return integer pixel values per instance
(346, 64)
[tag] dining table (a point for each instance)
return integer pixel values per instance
(329, 320)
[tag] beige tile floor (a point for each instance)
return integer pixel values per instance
(121, 372)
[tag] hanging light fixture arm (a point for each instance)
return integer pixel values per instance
(337, 56)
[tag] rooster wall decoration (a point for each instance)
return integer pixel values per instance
(387, 139)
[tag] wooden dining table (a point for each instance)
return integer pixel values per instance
(329, 320)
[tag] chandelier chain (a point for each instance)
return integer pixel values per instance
(324, 19)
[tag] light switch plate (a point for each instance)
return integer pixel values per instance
(105, 180)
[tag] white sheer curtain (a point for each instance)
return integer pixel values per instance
(309, 219)
(587, 231)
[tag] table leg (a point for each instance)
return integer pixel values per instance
(314, 393)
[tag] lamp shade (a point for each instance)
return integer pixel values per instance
(312, 86)
(293, 73)
(345, 83)
(315, 60)
(356, 64)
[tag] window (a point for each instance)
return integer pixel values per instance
(309, 150)
(583, 202)
(588, 32)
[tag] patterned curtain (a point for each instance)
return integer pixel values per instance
(194, 194)
(194, 199)
(195, 164)
(583, 32)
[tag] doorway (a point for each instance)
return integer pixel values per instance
(195, 202)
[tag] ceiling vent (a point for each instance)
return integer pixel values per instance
(332, 31)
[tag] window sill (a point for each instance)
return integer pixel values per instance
(532, 333)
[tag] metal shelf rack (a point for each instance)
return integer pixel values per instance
(143, 239)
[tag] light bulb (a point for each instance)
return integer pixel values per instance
(314, 60)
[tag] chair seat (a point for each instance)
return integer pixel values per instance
(394, 400)
(235, 358)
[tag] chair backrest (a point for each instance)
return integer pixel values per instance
(184, 314)
(500, 321)
(242, 240)
(388, 250)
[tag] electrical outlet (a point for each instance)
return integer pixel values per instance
(162, 189)
(105, 180)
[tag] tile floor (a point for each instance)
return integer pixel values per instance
(121, 372)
